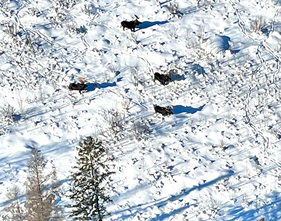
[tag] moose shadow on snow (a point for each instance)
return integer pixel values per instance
(147, 24)
(178, 109)
(176, 77)
(93, 86)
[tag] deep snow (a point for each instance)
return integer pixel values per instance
(216, 158)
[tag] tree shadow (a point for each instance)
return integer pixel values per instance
(9, 201)
(162, 202)
(93, 86)
(269, 211)
(190, 110)
(172, 213)
(147, 24)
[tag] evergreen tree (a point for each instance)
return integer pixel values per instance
(41, 189)
(89, 180)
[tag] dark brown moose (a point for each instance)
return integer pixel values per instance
(164, 79)
(77, 87)
(131, 24)
(163, 110)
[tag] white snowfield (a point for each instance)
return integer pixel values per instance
(218, 157)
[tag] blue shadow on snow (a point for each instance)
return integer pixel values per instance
(270, 211)
(134, 210)
(178, 109)
(225, 42)
(93, 86)
(177, 77)
(198, 68)
(226, 45)
(147, 24)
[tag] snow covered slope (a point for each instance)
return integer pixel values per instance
(218, 157)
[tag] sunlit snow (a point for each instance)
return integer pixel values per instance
(218, 157)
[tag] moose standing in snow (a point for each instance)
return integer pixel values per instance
(164, 79)
(78, 86)
(163, 110)
(131, 24)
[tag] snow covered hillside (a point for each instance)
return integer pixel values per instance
(218, 157)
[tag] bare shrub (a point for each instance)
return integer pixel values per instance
(173, 8)
(137, 79)
(205, 2)
(258, 25)
(134, 76)
(72, 27)
(65, 4)
(116, 121)
(33, 11)
(140, 129)
(12, 29)
(126, 104)
(9, 115)
(58, 16)
(14, 211)
(87, 9)
(91, 9)
(41, 189)
(4, 5)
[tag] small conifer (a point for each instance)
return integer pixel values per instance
(89, 181)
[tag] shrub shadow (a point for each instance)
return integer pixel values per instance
(225, 42)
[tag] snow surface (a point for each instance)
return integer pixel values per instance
(217, 158)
